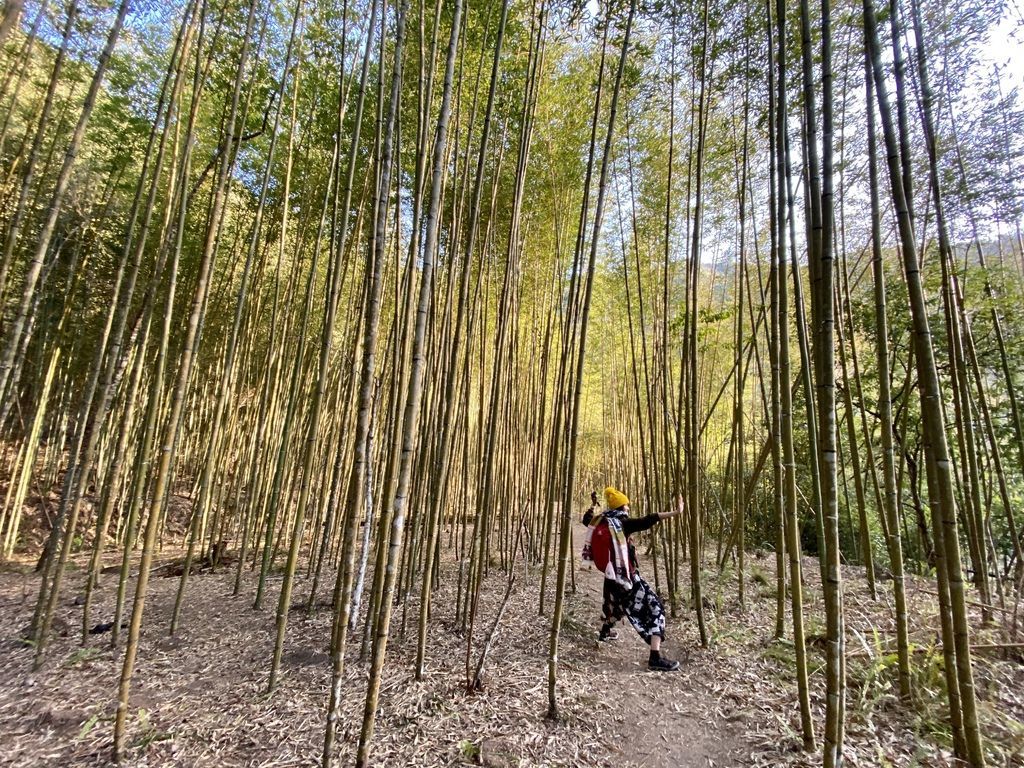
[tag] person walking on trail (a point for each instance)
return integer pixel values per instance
(626, 593)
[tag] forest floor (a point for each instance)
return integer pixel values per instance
(199, 697)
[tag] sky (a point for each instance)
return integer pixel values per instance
(1006, 45)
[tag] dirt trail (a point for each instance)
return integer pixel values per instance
(199, 697)
(658, 719)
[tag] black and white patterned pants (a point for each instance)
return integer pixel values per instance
(640, 604)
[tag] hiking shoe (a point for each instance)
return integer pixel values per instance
(661, 664)
(607, 636)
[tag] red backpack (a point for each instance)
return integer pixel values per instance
(600, 549)
(601, 545)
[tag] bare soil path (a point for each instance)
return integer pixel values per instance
(659, 719)
(199, 698)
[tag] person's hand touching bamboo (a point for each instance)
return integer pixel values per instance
(672, 512)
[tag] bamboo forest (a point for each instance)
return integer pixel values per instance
(352, 351)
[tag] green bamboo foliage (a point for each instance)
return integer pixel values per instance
(941, 481)
(8, 365)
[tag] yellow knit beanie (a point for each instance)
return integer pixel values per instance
(615, 499)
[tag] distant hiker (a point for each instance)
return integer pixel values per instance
(626, 593)
(588, 516)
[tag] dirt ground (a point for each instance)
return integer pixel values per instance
(199, 698)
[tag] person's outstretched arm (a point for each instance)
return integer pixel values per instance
(636, 524)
